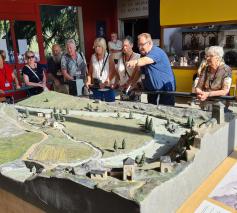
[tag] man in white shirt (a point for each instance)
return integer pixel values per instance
(115, 47)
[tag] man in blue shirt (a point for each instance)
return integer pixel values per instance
(155, 70)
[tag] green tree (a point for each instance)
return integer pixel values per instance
(124, 144)
(147, 122)
(115, 146)
(143, 158)
(150, 125)
(137, 159)
(59, 23)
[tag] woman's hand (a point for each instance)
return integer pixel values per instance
(201, 95)
(1, 91)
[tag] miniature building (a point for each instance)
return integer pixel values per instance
(47, 115)
(218, 112)
(165, 164)
(128, 169)
(40, 114)
(98, 174)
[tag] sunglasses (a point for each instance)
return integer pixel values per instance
(30, 56)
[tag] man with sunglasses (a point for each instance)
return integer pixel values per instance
(155, 71)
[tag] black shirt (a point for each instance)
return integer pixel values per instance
(35, 75)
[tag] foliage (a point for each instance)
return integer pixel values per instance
(59, 23)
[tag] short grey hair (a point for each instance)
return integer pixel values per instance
(71, 41)
(215, 50)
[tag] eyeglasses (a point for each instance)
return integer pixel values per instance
(30, 56)
(142, 45)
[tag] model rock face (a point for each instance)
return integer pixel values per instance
(125, 147)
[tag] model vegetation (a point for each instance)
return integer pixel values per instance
(12, 148)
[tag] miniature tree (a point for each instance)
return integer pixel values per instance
(189, 122)
(124, 144)
(130, 115)
(54, 110)
(147, 123)
(88, 106)
(137, 159)
(46, 100)
(52, 115)
(167, 123)
(118, 115)
(192, 123)
(142, 161)
(67, 111)
(60, 111)
(150, 125)
(115, 146)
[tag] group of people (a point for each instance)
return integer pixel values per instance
(120, 67)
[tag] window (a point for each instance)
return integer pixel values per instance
(185, 46)
(6, 41)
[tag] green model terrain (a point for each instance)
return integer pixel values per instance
(103, 131)
(58, 149)
(53, 99)
(12, 148)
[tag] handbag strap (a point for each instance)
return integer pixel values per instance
(101, 72)
(33, 72)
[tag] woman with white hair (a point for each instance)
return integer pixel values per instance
(215, 80)
(101, 65)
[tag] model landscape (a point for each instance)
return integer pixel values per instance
(123, 148)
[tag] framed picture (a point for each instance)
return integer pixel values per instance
(101, 29)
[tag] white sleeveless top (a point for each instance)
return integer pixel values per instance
(121, 68)
(97, 67)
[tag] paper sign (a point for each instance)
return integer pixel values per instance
(208, 207)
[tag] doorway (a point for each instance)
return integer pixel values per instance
(134, 27)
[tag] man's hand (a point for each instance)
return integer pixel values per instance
(1, 91)
(132, 64)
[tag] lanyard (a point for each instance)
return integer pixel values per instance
(124, 62)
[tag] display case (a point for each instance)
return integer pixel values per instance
(186, 45)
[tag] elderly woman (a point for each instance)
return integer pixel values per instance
(34, 74)
(101, 66)
(215, 80)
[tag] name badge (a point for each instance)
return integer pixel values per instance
(7, 84)
(143, 76)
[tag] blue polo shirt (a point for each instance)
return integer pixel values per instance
(159, 75)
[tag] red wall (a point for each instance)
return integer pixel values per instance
(93, 10)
